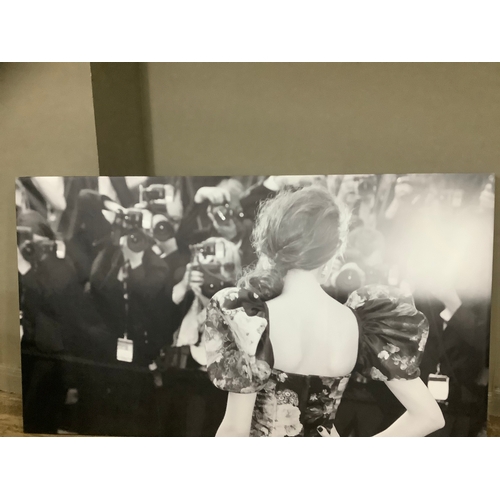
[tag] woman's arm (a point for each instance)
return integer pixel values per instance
(238, 417)
(423, 415)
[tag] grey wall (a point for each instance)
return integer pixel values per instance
(325, 117)
(46, 128)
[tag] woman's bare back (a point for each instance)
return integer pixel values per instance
(312, 334)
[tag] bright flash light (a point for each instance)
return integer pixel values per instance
(448, 249)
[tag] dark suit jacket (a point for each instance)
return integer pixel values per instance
(152, 318)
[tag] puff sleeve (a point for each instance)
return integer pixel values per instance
(392, 333)
(236, 339)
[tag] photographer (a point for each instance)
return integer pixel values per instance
(145, 308)
(57, 320)
(136, 268)
(215, 211)
(131, 285)
(83, 225)
(359, 194)
(455, 359)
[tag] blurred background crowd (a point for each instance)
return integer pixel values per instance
(115, 274)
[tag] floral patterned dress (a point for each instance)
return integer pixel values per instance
(392, 337)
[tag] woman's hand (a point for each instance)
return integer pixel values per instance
(324, 432)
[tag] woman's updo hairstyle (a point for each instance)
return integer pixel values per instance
(300, 229)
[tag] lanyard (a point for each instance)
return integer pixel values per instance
(125, 274)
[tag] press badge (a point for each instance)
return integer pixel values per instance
(125, 350)
(439, 386)
(61, 249)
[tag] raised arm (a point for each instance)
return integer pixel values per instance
(52, 189)
(423, 415)
(238, 417)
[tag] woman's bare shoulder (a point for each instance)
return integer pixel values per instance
(341, 312)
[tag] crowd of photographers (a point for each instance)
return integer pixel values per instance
(115, 274)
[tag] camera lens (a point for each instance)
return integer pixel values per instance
(137, 241)
(349, 280)
(28, 250)
(163, 231)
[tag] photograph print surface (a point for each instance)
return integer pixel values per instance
(328, 305)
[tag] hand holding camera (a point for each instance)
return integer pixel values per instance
(214, 195)
(192, 280)
(33, 249)
(222, 218)
(218, 261)
(147, 224)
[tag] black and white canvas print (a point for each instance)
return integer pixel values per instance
(315, 306)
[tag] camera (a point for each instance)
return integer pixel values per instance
(142, 227)
(207, 251)
(129, 220)
(156, 195)
(163, 230)
(224, 214)
(154, 199)
(350, 278)
(210, 259)
(34, 251)
(130, 223)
